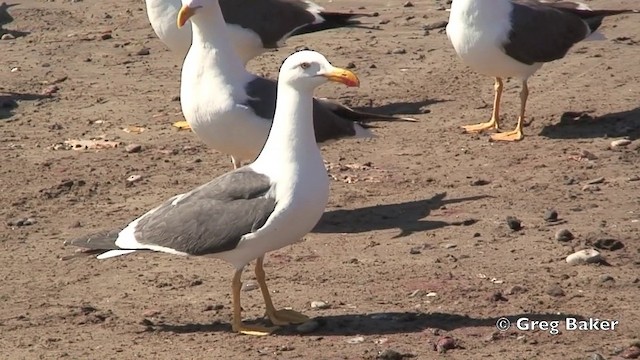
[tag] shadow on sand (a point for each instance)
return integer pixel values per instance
(376, 323)
(9, 101)
(401, 108)
(6, 18)
(404, 216)
(581, 125)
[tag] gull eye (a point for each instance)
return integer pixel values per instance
(305, 65)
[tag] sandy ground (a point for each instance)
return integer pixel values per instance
(414, 245)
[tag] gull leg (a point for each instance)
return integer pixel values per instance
(277, 317)
(495, 113)
(516, 134)
(237, 324)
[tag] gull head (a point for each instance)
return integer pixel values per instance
(309, 69)
(188, 9)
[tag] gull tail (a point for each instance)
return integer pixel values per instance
(360, 116)
(332, 20)
(102, 243)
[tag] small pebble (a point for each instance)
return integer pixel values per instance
(320, 305)
(513, 223)
(616, 144)
(133, 148)
(564, 235)
(633, 178)
(356, 340)
(8, 37)
(588, 155)
(134, 178)
(551, 215)
(22, 222)
(390, 354)
(480, 182)
(606, 278)
(250, 286)
(408, 4)
(449, 246)
(591, 188)
(351, 65)
(398, 51)
(50, 90)
(445, 343)
(215, 307)
(586, 256)
(415, 250)
(599, 180)
(555, 291)
(417, 293)
(497, 296)
(308, 327)
(106, 36)
(150, 313)
(435, 25)
(608, 244)
(631, 353)
(516, 289)
(143, 51)
(596, 356)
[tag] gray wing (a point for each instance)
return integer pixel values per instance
(327, 125)
(273, 20)
(331, 121)
(209, 219)
(542, 33)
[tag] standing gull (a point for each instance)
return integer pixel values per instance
(514, 38)
(250, 211)
(231, 109)
(255, 26)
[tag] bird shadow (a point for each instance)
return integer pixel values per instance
(5, 17)
(9, 102)
(404, 216)
(373, 323)
(581, 125)
(403, 107)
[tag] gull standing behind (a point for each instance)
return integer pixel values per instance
(229, 108)
(255, 26)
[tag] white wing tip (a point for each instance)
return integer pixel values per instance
(113, 253)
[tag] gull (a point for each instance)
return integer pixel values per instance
(514, 38)
(255, 26)
(231, 109)
(248, 212)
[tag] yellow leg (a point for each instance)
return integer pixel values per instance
(277, 317)
(181, 125)
(237, 324)
(494, 123)
(516, 135)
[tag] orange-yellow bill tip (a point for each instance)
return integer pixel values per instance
(343, 76)
(184, 14)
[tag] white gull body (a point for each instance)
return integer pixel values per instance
(478, 31)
